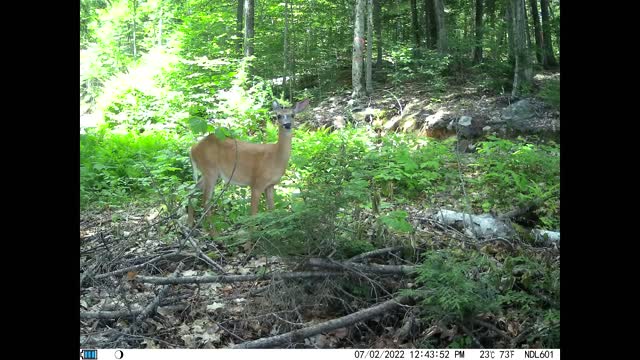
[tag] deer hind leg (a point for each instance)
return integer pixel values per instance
(269, 195)
(190, 212)
(207, 184)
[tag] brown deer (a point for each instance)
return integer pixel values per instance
(259, 166)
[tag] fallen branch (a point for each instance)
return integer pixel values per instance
(151, 308)
(135, 267)
(158, 280)
(300, 334)
(118, 314)
(374, 253)
(493, 328)
(369, 268)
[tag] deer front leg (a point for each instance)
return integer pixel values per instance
(269, 195)
(255, 199)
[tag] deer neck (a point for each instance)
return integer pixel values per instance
(283, 146)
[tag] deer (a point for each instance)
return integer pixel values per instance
(260, 166)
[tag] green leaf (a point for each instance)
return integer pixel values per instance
(221, 133)
(198, 125)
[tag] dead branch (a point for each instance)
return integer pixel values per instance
(370, 268)
(493, 328)
(158, 280)
(134, 267)
(333, 324)
(109, 315)
(374, 253)
(156, 301)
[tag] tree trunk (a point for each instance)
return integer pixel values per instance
(537, 30)
(239, 25)
(378, 26)
(285, 75)
(550, 59)
(477, 52)
(523, 71)
(442, 31)
(398, 37)
(508, 14)
(431, 23)
(248, 27)
(369, 83)
(135, 8)
(494, 33)
(414, 22)
(526, 26)
(292, 52)
(160, 26)
(358, 47)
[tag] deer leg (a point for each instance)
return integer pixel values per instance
(255, 199)
(207, 184)
(269, 195)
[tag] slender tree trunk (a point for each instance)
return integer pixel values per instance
(477, 51)
(160, 24)
(509, 22)
(550, 59)
(523, 71)
(526, 26)
(537, 30)
(239, 25)
(248, 27)
(285, 78)
(414, 22)
(377, 18)
(369, 82)
(292, 52)
(135, 9)
(399, 37)
(431, 24)
(358, 50)
(490, 11)
(442, 31)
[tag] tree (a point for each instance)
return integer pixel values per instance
(285, 56)
(248, 27)
(477, 50)
(414, 23)
(523, 70)
(431, 24)
(549, 58)
(239, 25)
(135, 8)
(508, 15)
(369, 83)
(537, 30)
(377, 18)
(358, 47)
(442, 31)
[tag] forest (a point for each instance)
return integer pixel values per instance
(320, 174)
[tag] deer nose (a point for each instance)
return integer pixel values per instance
(287, 126)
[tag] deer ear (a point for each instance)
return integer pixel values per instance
(276, 106)
(301, 105)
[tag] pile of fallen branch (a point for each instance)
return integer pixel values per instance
(127, 296)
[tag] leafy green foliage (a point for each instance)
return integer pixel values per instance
(425, 65)
(456, 286)
(550, 93)
(519, 171)
(116, 167)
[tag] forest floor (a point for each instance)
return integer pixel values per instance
(126, 250)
